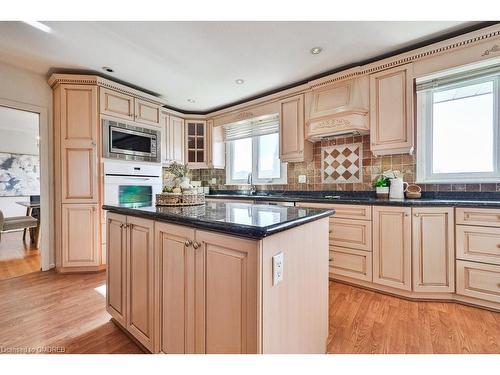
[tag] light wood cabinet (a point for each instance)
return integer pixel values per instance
(218, 146)
(343, 211)
(116, 104)
(226, 294)
(351, 263)
(80, 238)
(391, 111)
(354, 234)
(78, 143)
(116, 281)
(140, 280)
(479, 244)
(488, 217)
(175, 275)
(433, 249)
(478, 280)
(196, 144)
(173, 139)
(146, 112)
(392, 247)
(293, 146)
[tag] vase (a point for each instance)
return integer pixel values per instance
(382, 192)
(184, 183)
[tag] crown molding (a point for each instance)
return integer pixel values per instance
(57, 79)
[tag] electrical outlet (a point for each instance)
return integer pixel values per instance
(278, 268)
(302, 179)
(214, 180)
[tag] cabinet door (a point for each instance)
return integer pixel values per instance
(433, 249)
(392, 246)
(293, 146)
(116, 104)
(226, 294)
(391, 111)
(174, 256)
(80, 236)
(196, 143)
(146, 112)
(173, 140)
(79, 127)
(116, 254)
(217, 146)
(140, 280)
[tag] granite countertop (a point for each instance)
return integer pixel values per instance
(457, 199)
(241, 219)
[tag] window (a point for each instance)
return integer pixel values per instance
(457, 128)
(253, 147)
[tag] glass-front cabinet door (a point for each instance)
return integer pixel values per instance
(197, 143)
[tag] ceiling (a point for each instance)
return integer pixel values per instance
(201, 60)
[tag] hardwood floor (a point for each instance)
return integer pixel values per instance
(49, 310)
(363, 321)
(17, 257)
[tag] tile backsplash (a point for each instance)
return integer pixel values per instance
(371, 168)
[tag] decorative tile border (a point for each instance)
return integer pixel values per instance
(342, 163)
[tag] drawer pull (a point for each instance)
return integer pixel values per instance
(498, 246)
(188, 243)
(330, 231)
(331, 260)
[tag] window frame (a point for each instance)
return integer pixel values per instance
(255, 154)
(424, 150)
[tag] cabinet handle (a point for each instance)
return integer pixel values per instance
(330, 231)
(196, 244)
(330, 259)
(188, 243)
(417, 215)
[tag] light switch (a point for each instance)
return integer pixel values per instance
(302, 179)
(278, 268)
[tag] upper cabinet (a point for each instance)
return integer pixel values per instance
(338, 109)
(196, 139)
(116, 104)
(146, 112)
(293, 146)
(218, 146)
(391, 111)
(173, 139)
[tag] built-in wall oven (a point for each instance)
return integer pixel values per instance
(131, 184)
(130, 142)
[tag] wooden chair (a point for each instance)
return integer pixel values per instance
(16, 222)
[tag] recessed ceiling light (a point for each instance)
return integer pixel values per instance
(239, 81)
(191, 100)
(108, 69)
(39, 26)
(316, 50)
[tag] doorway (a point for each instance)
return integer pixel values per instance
(21, 198)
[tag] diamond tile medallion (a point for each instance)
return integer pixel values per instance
(341, 163)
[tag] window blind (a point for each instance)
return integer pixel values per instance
(252, 128)
(436, 81)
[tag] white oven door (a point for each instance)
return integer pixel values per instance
(131, 191)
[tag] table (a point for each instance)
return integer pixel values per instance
(34, 232)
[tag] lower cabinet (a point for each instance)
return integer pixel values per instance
(80, 235)
(207, 292)
(433, 249)
(478, 280)
(130, 288)
(351, 263)
(392, 247)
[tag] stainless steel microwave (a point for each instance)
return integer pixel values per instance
(130, 142)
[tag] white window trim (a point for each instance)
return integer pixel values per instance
(256, 181)
(424, 140)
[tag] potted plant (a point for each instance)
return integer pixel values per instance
(381, 186)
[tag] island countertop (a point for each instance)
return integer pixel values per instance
(254, 221)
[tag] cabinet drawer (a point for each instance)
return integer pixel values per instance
(343, 211)
(478, 216)
(354, 234)
(478, 280)
(116, 104)
(481, 244)
(146, 112)
(351, 263)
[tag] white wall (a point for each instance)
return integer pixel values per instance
(24, 86)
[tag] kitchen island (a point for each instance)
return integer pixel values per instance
(220, 277)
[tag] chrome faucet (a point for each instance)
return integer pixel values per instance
(250, 182)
